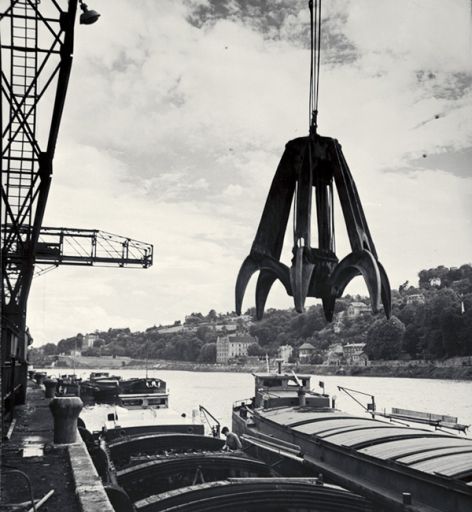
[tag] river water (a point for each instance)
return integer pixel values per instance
(217, 391)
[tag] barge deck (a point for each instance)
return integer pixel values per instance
(388, 463)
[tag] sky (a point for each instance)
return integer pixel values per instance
(177, 115)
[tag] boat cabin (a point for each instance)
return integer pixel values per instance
(144, 400)
(283, 389)
(143, 393)
(143, 385)
(99, 375)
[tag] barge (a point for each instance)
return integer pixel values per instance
(153, 459)
(392, 464)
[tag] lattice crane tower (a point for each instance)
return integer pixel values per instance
(37, 40)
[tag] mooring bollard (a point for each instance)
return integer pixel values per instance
(50, 385)
(65, 411)
(301, 397)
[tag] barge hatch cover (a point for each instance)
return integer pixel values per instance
(368, 436)
(432, 454)
(396, 449)
(455, 465)
(325, 426)
(376, 458)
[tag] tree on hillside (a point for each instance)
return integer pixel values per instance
(202, 332)
(194, 318)
(447, 276)
(411, 343)
(451, 324)
(91, 352)
(49, 349)
(316, 359)
(437, 324)
(69, 344)
(440, 308)
(212, 316)
(341, 305)
(413, 317)
(264, 331)
(208, 353)
(314, 322)
(425, 276)
(255, 350)
(384, 339)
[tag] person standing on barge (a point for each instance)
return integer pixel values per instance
(232, 440)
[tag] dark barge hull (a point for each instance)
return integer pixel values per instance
(255, 495)
(175, 471)
(378, 460)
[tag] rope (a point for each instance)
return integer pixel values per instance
(315, 47)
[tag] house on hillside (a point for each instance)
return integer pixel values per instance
(335, 355)
(245, 319)
(305, 352)
(285, 352)
(338, 322)
(232, 346)
(89, 340)
(354, 354)
(356, 309)
(225, 327)
(170, 329)
(231, 323)
(415, 298)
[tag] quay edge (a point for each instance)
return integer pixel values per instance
(89, 489)
(65, 469)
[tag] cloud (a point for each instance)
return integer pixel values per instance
(233, 190)
(178, 113)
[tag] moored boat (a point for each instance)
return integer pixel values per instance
(101, 387)
(155, 459)
(391, 463)
(143, 392)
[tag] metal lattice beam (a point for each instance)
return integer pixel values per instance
(87, 247)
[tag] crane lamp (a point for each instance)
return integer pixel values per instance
(88, 16)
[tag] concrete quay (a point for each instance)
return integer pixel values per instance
(31, 460)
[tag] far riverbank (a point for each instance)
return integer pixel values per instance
(421, 372)
(429, 371)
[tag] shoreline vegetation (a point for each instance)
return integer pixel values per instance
(429, 371)
(428, 335)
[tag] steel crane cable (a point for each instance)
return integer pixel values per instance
(315, 39)
(315, 47)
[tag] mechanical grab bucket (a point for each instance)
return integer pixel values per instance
(313, 162)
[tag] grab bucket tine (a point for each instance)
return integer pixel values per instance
(386, 294)
(264, 283)
(248, 268)
(360, 262)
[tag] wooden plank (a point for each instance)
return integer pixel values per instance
(407, 413)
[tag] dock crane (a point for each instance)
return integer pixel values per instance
(37, 39)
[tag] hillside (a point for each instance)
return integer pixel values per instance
(432, 320)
